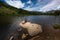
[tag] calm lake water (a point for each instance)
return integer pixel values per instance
(11, 24)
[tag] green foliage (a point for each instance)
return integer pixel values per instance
(54, 12)
(56, 26)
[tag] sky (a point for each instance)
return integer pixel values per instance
(35, 5)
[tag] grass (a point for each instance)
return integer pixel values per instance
(56, 26)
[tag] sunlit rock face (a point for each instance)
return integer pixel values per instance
(32, 28)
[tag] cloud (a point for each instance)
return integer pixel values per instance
(58, 7)
(17, 4)
(51, 5)
(33, 7)
(54, 5)
(29, 2)
(28, 8)
(41, 5)
(38, 5)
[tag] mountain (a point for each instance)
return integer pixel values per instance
(8, 10)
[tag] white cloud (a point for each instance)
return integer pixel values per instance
(35, 6)
(17, 4)
(28, 8)
(29, 2)
(51, 6)
(39, 6)
(58, 7)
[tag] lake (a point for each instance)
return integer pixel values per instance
(11, 24)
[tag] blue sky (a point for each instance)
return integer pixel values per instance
(35, 5)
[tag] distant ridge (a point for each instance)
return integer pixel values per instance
(6, 9)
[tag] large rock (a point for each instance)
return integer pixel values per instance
(32, 28)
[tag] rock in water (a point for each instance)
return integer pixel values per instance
(32, 28)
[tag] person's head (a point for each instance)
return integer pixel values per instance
(24, 21)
